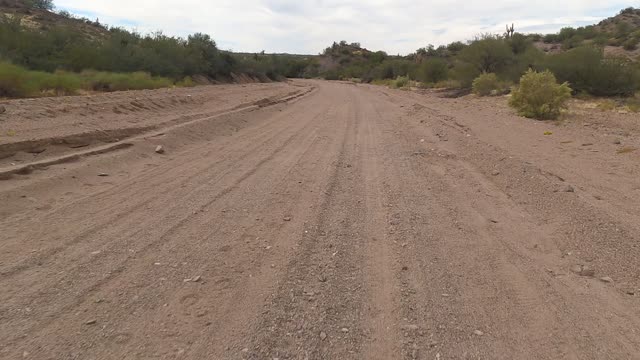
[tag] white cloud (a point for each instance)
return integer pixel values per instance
(307, 27)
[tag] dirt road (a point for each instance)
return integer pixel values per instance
(320, 220)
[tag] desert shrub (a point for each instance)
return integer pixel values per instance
(40, 4)
(122, 51)
(331, 75)
(623, 29)
(18, 82)
(433, 70)
(586, 69)
(456, 46)
(634, 106)
(488, 84)
(573, 42)
(614, 42)
(400, 82)
(447, 84)
(601, 40)
(540, 96)
(521, 63)
(464, 73)
(566, 33)
(630, 44)
(61, 83)
(104, 81)
(186, 82)
(383, 82)
(15, 81)
(607, 105)
(519, 43)
(488, 54)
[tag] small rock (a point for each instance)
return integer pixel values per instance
(3, 109)
(245, 350)
(197, 278)
(159, 149)
(478, 332)
(287, 218)
(344, 330)
(323, 335)
(569, 189)
(587, 271)
(405, 268)
(583, 270)
(495, 173)
(91, 322)
(25, 354)
(617, 142)
(410, 327)
(322, 278)
(103, 174)
(606, 279)
(631, 292)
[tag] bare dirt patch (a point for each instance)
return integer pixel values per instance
(350, 222)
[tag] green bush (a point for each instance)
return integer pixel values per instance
(400, 82)
(186, 82)
(433, 70)
(40, 4)
(18, 82)
(464, 73)
(488, 84)
(630, 44)
(488, 54)
(15, 81)
(587, 70)
(539, 96)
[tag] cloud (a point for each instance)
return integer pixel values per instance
(307, 27)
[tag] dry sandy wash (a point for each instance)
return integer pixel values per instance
(315, 220)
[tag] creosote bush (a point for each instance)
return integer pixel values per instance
(539, 96)
(588, 70)
(488, 84)
(400, 82)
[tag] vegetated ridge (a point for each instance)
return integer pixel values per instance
(599, 60)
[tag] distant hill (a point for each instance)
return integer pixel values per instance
(618, 35)
(43, 20)
(629, 16)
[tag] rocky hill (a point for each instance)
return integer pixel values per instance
(43, 20)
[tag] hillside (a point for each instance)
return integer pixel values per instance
(44, 53)
(630, 17)
(618, 35)
(43, 20)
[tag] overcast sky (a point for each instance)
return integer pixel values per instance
(307, 27)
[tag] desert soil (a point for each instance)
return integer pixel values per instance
(315, 220)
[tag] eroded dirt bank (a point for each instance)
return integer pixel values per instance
(331, 221)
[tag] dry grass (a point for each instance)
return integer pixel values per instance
(626, 150)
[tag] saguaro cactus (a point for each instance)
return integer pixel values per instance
(510, 31)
